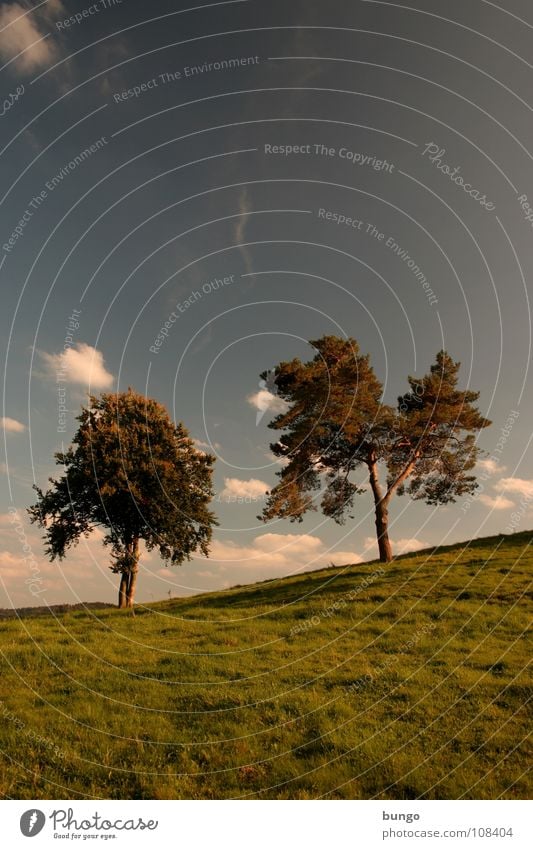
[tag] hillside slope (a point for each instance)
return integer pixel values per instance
(405, 681)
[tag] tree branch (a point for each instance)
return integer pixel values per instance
(400, 479)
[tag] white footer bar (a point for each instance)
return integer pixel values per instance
(268, 824)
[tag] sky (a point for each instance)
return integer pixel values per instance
(268, 173)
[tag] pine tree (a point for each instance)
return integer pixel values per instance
(336, 423)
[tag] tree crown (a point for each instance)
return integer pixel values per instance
(336, 421)
(131, 470)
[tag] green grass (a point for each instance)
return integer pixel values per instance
(417, 687)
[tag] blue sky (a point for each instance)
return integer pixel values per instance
(157, 160)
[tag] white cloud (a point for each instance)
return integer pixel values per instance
(81, 364)
(344, 558)
(83, 575)
(518, 485)
(406, 544)
(264, 400)
(12, 425)
(490, 466)
(21, 37)
(499, 502)
(275, 555)
(267, 556)
(235, 488)
(297, 543)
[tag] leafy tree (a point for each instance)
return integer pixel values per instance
(336, 423)
(134, 472)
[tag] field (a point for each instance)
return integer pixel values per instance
(340, 683)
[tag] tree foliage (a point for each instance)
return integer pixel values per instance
(133, 472)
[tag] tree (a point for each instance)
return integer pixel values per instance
(134, 472)
(336, 423)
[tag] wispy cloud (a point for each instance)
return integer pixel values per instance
(240, 228)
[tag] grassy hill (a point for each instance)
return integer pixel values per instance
(342, 683)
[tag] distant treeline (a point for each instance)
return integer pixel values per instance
(26, 612)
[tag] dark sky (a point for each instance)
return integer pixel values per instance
(172, 146)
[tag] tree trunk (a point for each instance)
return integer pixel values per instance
(381, 503)
(134, 571)
(123, 590)
(131, 586)
(382, 531)
(128, 578)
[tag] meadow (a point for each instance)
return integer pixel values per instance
(404, 681)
